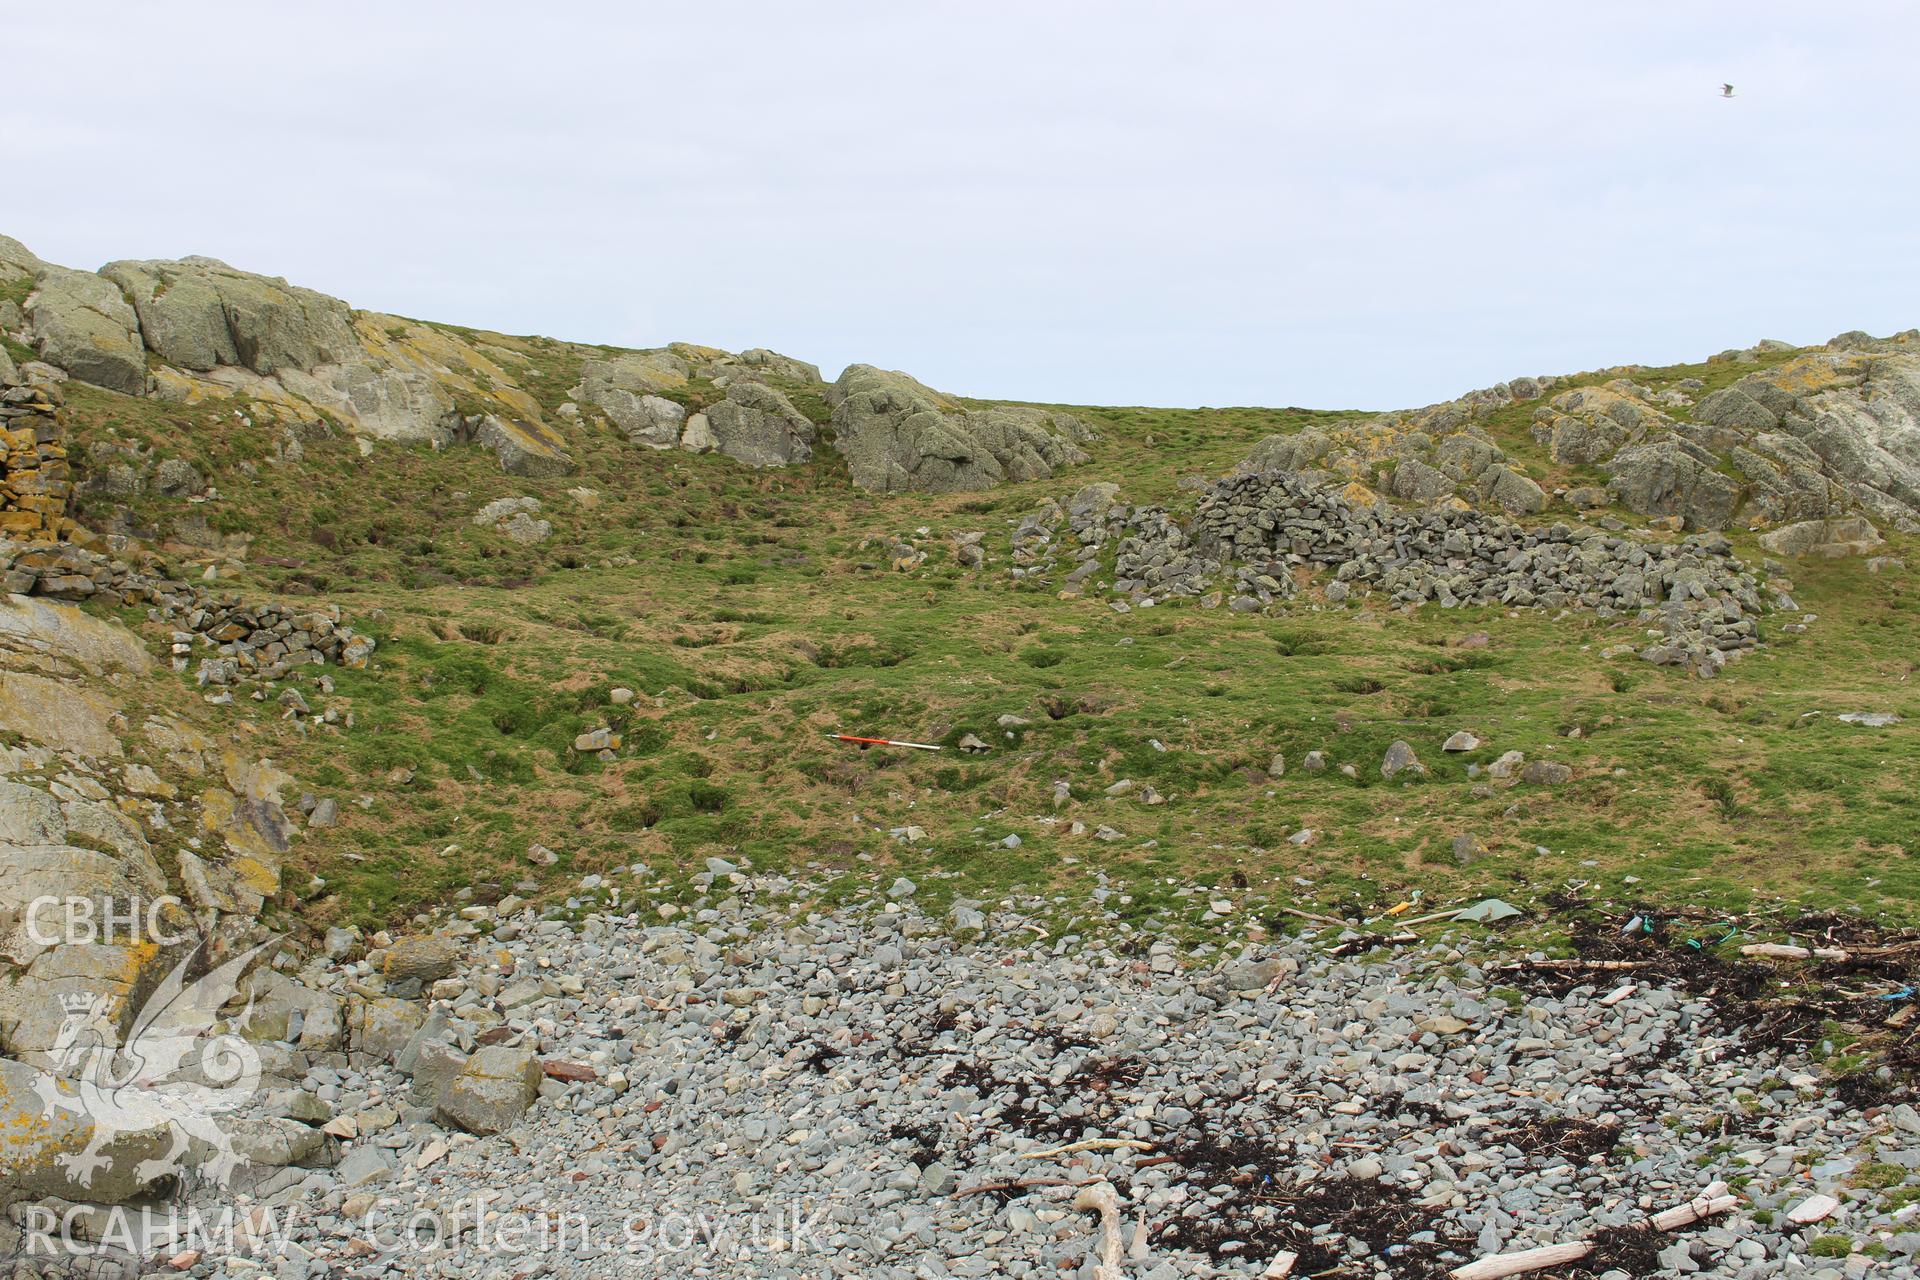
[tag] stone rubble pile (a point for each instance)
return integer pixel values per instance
(755, 1057)
(38, 559)
(245, 640)
(1276, 533)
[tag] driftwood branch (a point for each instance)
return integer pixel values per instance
(1090, 1144)
(1598, 966)
(1310, 915)
(1784, 951)
(1709, 1203)
(1018, 1184)
(1102, 1198)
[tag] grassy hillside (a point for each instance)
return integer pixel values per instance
(754, 612)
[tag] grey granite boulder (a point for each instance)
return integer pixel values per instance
(1415, 481)
(82, 324)
(1669, 478)
(1829, 539)
(199, 313)
(497, 1084)
(758, 426)
(899, 435)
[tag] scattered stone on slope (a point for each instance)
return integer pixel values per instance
(1400, 758)
(518, 518)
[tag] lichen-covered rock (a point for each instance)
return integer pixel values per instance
(616, 382)
(423, 959)
(649, 420)
(1732, 407)
(1400, 758)
(58, 637)
(1671, 478)
(39, 867)
(1511, 490)
(380, 1028)
(524, 448)
(1295, 452)
(199, 313)
(1415, 481)
(82, 324)
(495, 1087)
(899, 435)
(1829, 539)
(758, 426)
(38, 1142)
(754, 363)
(56, 714)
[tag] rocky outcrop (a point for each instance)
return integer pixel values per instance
(758, 426)
(200, 314)
(1826, 539)
(83, 325)
(753, 423)
(758, 363)
(1440, 453)
(524, 449)
(1827, 431)
(1673, 478)
(1824, 432)
(615, 384)
(211, 331)
(39, 1141)
(899, 435)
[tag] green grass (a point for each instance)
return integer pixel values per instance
(755, 612)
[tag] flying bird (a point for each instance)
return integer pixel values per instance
(1726, 91)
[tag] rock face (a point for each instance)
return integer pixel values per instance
(898, 435)
(1811, 437)
(1673, 478)
(200, 314)
(83, 325)
(213, 331)
(758, 426)
(36, 1140)
(1828, 539)
(523, 449)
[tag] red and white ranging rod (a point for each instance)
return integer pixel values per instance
(864, 743)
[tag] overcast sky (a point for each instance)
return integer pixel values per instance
(1175, 204)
